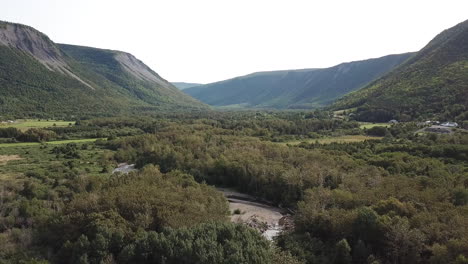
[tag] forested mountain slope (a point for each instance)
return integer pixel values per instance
(41, 78)
(432, 83)
(308, 88)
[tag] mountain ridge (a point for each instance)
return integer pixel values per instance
(37, 44)
(40, 77)
(430, 84)
(303, 88)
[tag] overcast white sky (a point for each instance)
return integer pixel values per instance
(211, 40)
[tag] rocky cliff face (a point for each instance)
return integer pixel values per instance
(135, 67)
(38, 45)
(41, 78)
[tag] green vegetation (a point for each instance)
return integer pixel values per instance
(100, 83)
(400, 199)
(37, 123)
(58, 142)
(430, 84)
(294, 89)
(358, 192)
(328, 140)
(366, 125)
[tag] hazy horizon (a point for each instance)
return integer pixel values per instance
(207, 41)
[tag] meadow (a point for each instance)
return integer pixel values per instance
(367, 125)
(25, 124)
(329, 140)
(58, 142)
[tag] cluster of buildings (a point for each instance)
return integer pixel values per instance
(445, 124)
(434, 126)
(437, 127)
(449, 124)
(436, 123)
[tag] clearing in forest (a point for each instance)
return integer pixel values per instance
(58, 142)
(5, 158)
(25, 124)
(328, 140)
(367, 125)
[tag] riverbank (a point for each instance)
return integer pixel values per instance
(258, 214)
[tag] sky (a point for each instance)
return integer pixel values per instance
(205, 41)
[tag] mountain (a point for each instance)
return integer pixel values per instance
(432, 84)
(41, 78)
(184, 85)
(307, 88)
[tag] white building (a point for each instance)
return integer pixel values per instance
(449, 124)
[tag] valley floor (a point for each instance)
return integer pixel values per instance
(246, 209)
(386, 192)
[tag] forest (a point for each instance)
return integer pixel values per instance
(400, 196)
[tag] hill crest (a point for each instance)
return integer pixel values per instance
(39, 77)
(304, 88)
(431, 84)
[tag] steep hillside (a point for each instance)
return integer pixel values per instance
(433, 83)
(308, 88)
(41, 78)
(184, 85)
(130, 77)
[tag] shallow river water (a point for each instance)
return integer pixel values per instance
(258, 215)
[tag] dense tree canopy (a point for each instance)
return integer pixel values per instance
(400, 199)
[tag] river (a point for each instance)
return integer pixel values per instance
(246, 209)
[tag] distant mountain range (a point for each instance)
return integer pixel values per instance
(184, 85)
(433, 83)
(39, 77)
(307, 88)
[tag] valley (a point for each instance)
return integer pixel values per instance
(104, 161)
(295, 89)
(392, 179)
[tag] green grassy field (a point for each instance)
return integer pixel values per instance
(25, 124)
(328, 140)
(341, 112)
(19, 159)
(363, 125)
(25, 144)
